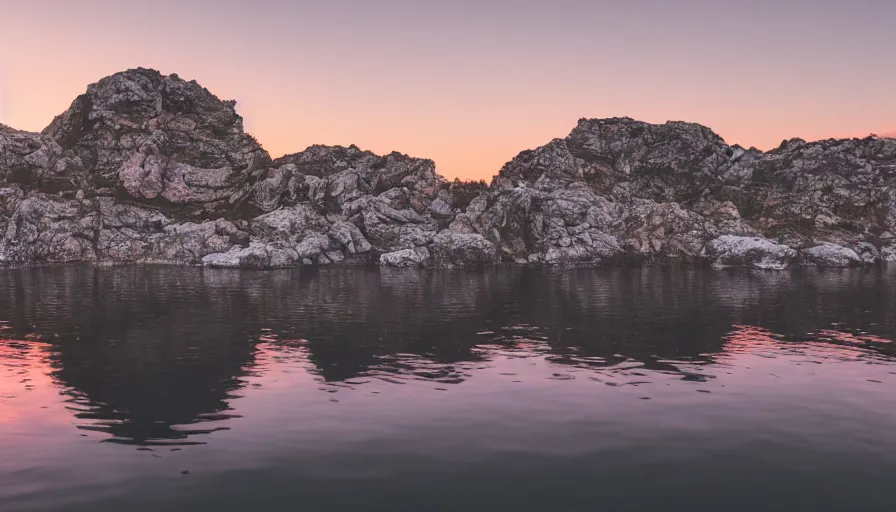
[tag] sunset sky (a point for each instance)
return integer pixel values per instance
(470, 83)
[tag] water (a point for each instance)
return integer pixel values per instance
(160, 388)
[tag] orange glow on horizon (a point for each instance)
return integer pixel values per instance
(453, 157)
(474, 150)
(466, 84)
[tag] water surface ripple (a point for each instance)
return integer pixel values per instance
(167, 388)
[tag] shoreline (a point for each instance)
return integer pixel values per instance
(626, 265)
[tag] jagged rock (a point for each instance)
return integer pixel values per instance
(830, 255)
(314, 247)
(156, 137)
(837, 190)
(450, 249)
(868, 252)
(10, 197)
(45, 230)
(665, 230)
(741, 251)
(147, 167)
(289, 224)
(257, 255)
(676, 186)
(409, 258)
(394, 200)
(189, 242)
(349, 237)
(564, 225)
(888, 252)
(337, 176)
(440, 209)
(672, 162)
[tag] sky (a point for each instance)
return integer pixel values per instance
(471, 83)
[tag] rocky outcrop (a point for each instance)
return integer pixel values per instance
(144, 167)
(623, 189)
(888, 253)
(742, 251)
(406, 258)
(830, 255)
(450, 249)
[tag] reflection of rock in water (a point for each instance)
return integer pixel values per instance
(148, 352)
(355, 319)
(140, 350)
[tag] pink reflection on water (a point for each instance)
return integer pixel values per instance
(26, 386)
(826, 344)
(753, 363)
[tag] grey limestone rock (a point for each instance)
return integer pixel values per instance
(450, 249)
(830, 255)
(257, 255)
(888, 252)
(755, 252)
(145, 167)
(407, 258)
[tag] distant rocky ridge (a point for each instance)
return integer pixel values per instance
(151, 168)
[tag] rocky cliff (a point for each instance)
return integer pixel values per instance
(151, 168)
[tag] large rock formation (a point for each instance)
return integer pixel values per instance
(151, 168)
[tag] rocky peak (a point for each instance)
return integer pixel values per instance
(6, 130)
(672, 161)
(322, 161)
(150, 137)
(624, 158)
(598, 139)
(546, 166)
(334, 176)
(143, 99)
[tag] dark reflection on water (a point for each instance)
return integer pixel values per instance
(509, 388)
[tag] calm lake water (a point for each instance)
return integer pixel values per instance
(166, 388)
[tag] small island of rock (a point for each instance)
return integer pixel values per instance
(151, 168)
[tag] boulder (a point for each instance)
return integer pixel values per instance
(450, 249)
(742, 251)
(406, 258)
(888, 252)
(830, 255)
(257, 255)
(868, 252)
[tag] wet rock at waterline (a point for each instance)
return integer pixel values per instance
(830, 255)
(740, 251)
